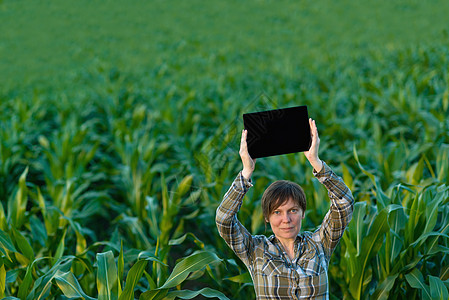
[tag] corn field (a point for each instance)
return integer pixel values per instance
(110, 191)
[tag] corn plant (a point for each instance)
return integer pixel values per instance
(389, 242)
(110, 274)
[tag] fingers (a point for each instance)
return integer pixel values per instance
(313, 150)
(244, 154)
(312, 154)
(243, 144)
(248, 162)
(313, 129)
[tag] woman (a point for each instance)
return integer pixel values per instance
(289, 264)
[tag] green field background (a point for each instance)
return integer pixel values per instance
(120, 128)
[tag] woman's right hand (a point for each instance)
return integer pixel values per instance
(248, 163)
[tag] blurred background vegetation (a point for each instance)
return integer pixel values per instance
(120, 128)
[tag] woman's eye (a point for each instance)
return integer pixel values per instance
(276, 212)
(294, 211)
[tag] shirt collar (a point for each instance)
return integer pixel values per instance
(273, 239)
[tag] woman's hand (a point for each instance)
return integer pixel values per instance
(248, 163)
(312, 154)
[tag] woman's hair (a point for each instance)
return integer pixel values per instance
(278, 193)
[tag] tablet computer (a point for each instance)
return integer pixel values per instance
(278, 131)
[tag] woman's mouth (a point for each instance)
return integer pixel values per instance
(287, 229)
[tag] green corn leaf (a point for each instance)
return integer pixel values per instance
(370, 175)
(165, 196)
(257, 220)
(106, 275)
(85, 263)
(347, 177)
(41, 201)
(414, 173)
(181, 240)
(152, 208)
(80, 243)
(17, 205)
(358, 216)
(12, 275)
(51, 216)
(242, 278)
(89, 155)
(446, 283)
(197, 274)
(397, 221)
(444, 274)
(43, 141)
(148, 255)
(184, 186)
(350, 255)
(437, 250)
(186, 294)
(424, 237)
(2, 281)
(61, 247)
(26, 283)
(42, 286)
(416, 280)
(69, 285)
(66, 202)
(3, 219)
(411, 263)
(413, 219)
(6, 244)
(134, 275)
(193, 198)
(120, 267)
(437, 288)
(154, 295)
(151, 282)
(42, 283)
(431, 211)
(371, 245)
(187, 265)
(139, 113)
(383, 290)
(381, 198)
(38, 230)
(21, 259)
(80, 240)
(23, 244)
(441, 163)
(98, 244)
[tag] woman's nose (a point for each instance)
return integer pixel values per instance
(286, 218)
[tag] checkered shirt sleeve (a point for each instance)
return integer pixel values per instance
(340, 211)
(229, 227)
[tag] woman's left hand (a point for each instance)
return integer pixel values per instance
(312, 154)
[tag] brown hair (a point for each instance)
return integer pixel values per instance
(278, 193)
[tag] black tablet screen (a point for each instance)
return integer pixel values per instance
(276, 132)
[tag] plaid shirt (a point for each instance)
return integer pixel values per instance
(274, 274)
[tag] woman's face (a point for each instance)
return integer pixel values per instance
(286, 220)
